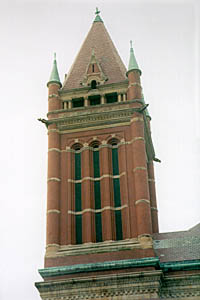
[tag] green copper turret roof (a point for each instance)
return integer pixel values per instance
(54, 78)
(98, 18)
(133, 65)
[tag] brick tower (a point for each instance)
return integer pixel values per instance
(101, 200)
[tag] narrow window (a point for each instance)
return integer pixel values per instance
(116, 191)
(78, 102)
(111, 98)
(92, 68)
(95, 100)
(78, 205)
(97, 194)
(93, 84)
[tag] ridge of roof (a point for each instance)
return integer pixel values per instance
(105, 52)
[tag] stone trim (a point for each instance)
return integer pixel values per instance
(54, 149)
(97, 210)
(142, 201)
(134, 84)
(53, 211)
(52, 245)
(97, 178)
(53, 179)
(53, 130)
(103, 145)
(54, 96)
(139, 168)
(151, 180)
(136, 119)
(154, 208)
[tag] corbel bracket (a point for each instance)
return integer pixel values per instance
(46, 122)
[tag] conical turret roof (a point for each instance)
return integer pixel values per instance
(99, 41)
(54, 77)
(133, 65)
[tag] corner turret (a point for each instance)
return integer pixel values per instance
(54, 85)
(133, 74)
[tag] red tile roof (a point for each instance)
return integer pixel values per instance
(106, 54)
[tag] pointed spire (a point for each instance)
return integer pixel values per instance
(132, 61)
(54, 78)
(98, 18)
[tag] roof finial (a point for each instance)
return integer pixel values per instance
(98, 18)
(54, 55)
(97, 11)
(131, 42)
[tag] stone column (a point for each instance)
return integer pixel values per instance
(102, 99)
(152, 191)
(142, 198)
(53, 190)
(70, 196)
(53, 175)
(86, 102)
(119, 97)
(124, 190)
(86, 196)
(124, 97)
(106, 187)
(69, 104)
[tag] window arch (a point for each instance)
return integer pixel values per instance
(77, 192)
(114, 143)
(97, 190)
(93, 84)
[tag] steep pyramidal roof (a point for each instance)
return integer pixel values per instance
(99, 41)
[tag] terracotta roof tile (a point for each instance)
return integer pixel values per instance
(106, 54)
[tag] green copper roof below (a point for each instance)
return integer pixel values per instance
(133, 65)
(54, 78)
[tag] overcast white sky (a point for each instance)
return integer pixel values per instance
(165, 37)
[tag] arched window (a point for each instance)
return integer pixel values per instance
(77, 191)
(116, 188)
(97, 191)
(93, 84)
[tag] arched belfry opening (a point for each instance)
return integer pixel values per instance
(93, 84)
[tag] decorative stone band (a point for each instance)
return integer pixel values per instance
(134, 84)
(103, 145)
(54, 149)
(151, 180)
(136, 119)
(53, 179)
(154, 208)
(52, 245)
(146, 201)
(139, 168)
(100, 266)
(50, 211)
(97, 178)
(53, 130)
(96, 210)
(54, 96)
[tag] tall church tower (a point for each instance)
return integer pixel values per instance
(101, 200)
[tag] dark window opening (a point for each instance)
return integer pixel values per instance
(95, 100)
(110, 98)
(93, 84)
(93, 68)
(79, 102)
